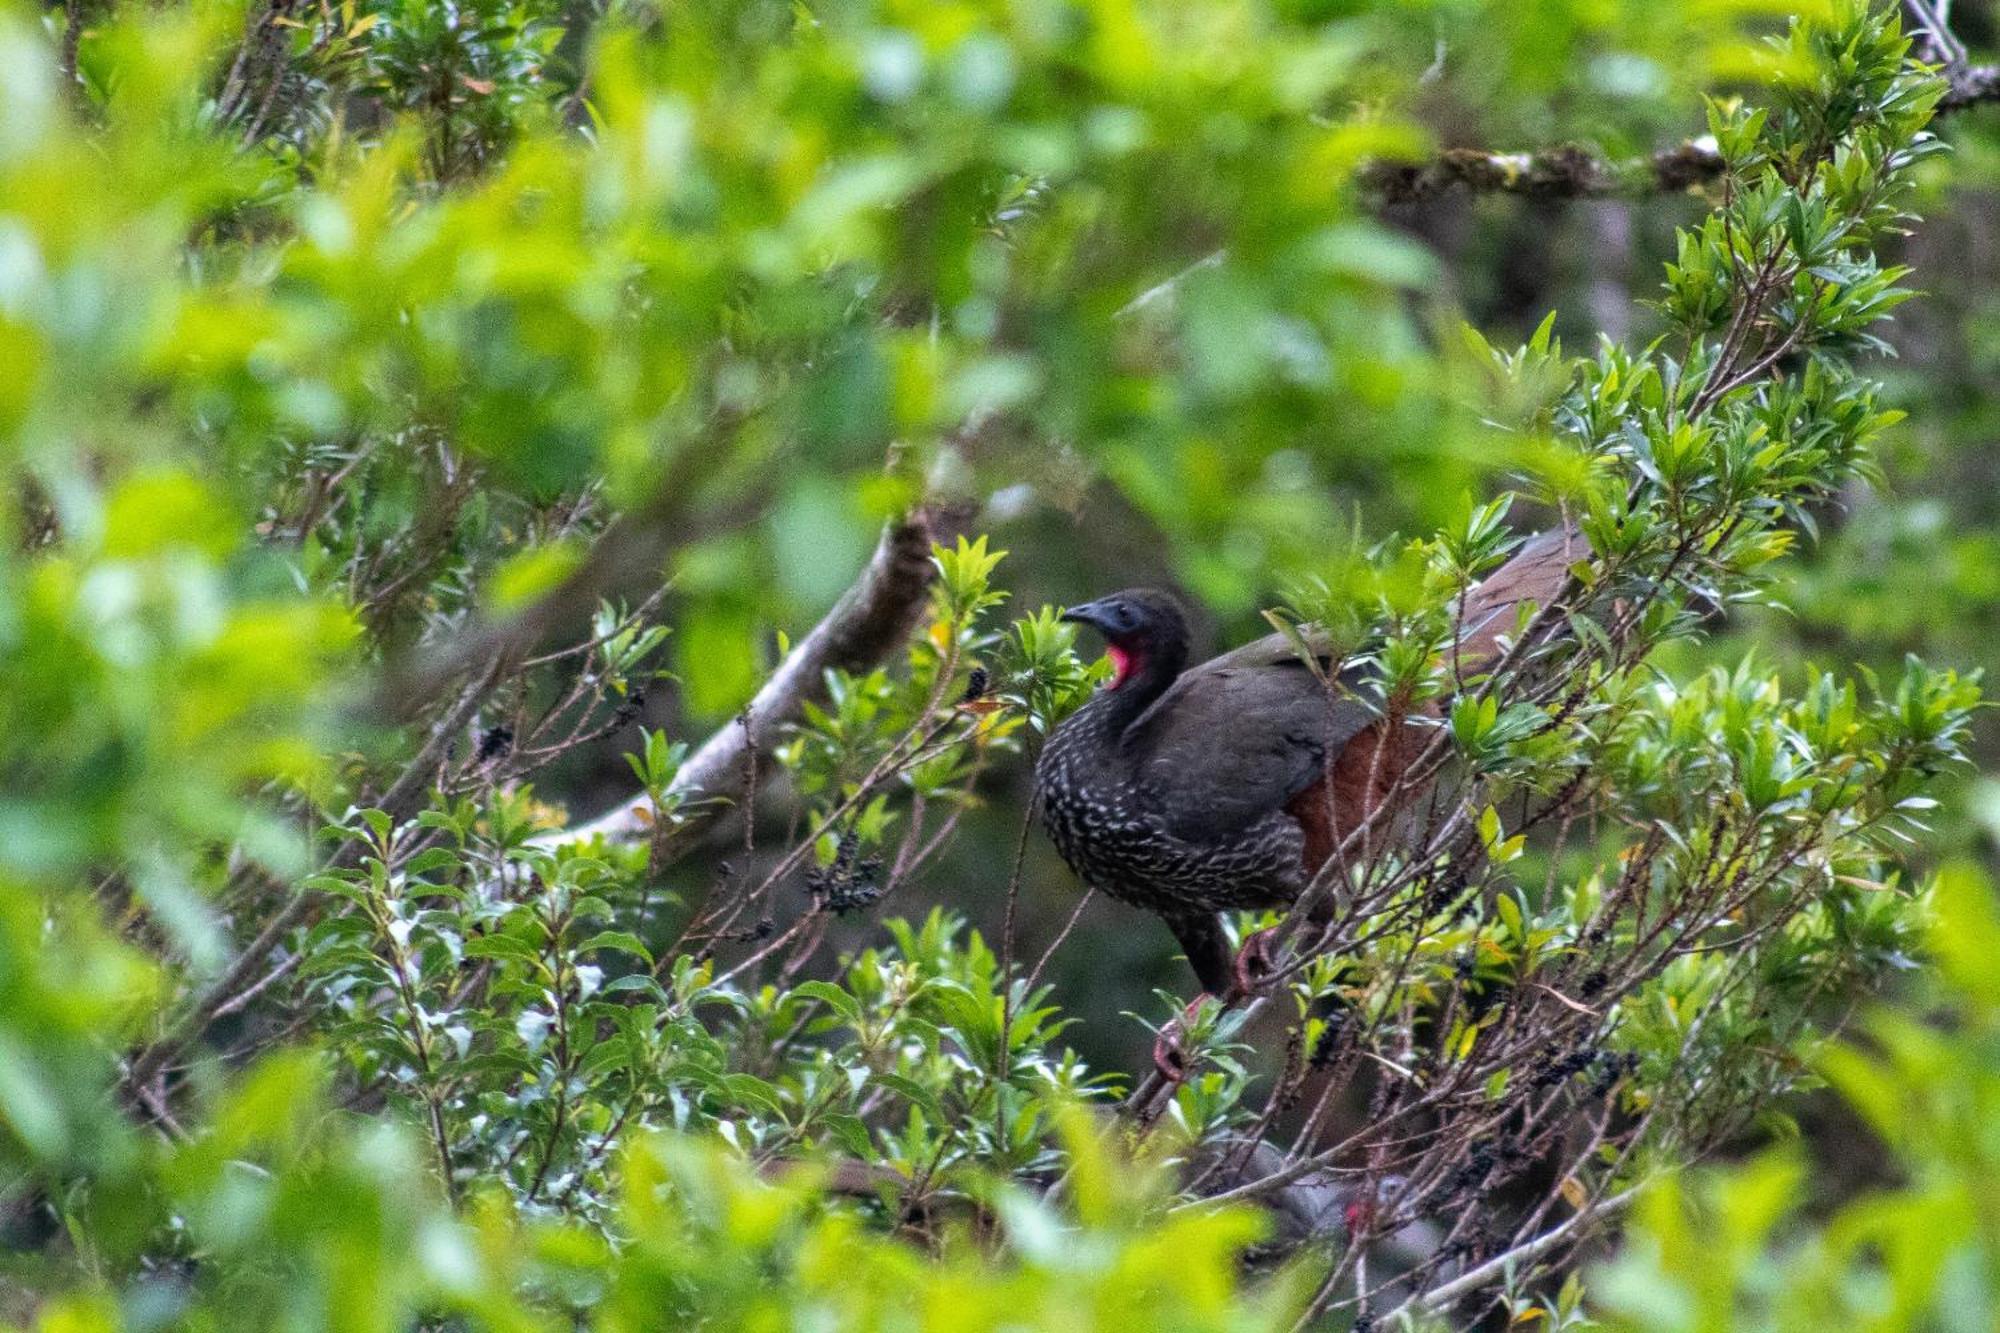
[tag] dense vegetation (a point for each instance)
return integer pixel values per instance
(515, 711)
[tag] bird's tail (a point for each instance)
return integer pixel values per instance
(1536, 574)
(1370, 768)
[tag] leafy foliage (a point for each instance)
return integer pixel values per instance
(1728, 1249)
(362, 351)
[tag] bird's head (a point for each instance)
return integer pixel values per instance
(1144, 630)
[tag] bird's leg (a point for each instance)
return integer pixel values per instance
(1232, 977)
(1207, 947)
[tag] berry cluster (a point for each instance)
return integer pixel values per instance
(849, 883)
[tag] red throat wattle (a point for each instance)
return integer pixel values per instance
(1122, 663)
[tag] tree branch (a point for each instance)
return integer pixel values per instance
(876, 614)
(1568, 171)
(1441, 1297)
(872, 617)
(1971, 85)
(1968, 84)
(1563, 172)
(1929, 26)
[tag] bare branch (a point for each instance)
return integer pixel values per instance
(1563, 172)
(1568, 171)
(1929, 25)
(1971, 85)
(871, 618)
(1441, 1297)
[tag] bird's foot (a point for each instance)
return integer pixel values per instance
(1254, 962)
(1170, 1056)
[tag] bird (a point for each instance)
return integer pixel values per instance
(1191, 791)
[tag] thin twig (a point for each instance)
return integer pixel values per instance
(1441, 1297)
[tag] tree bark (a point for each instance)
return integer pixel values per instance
(875, 615)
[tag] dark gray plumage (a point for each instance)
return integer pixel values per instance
(1168, 789)
(1190, 791)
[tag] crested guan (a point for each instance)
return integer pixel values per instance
(1191, 791)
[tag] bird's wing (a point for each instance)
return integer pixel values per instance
(1227, 746)
(1275, 650)
(1237, 737)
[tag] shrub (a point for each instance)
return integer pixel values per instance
(365, 357)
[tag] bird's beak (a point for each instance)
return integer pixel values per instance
(1086, 614)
